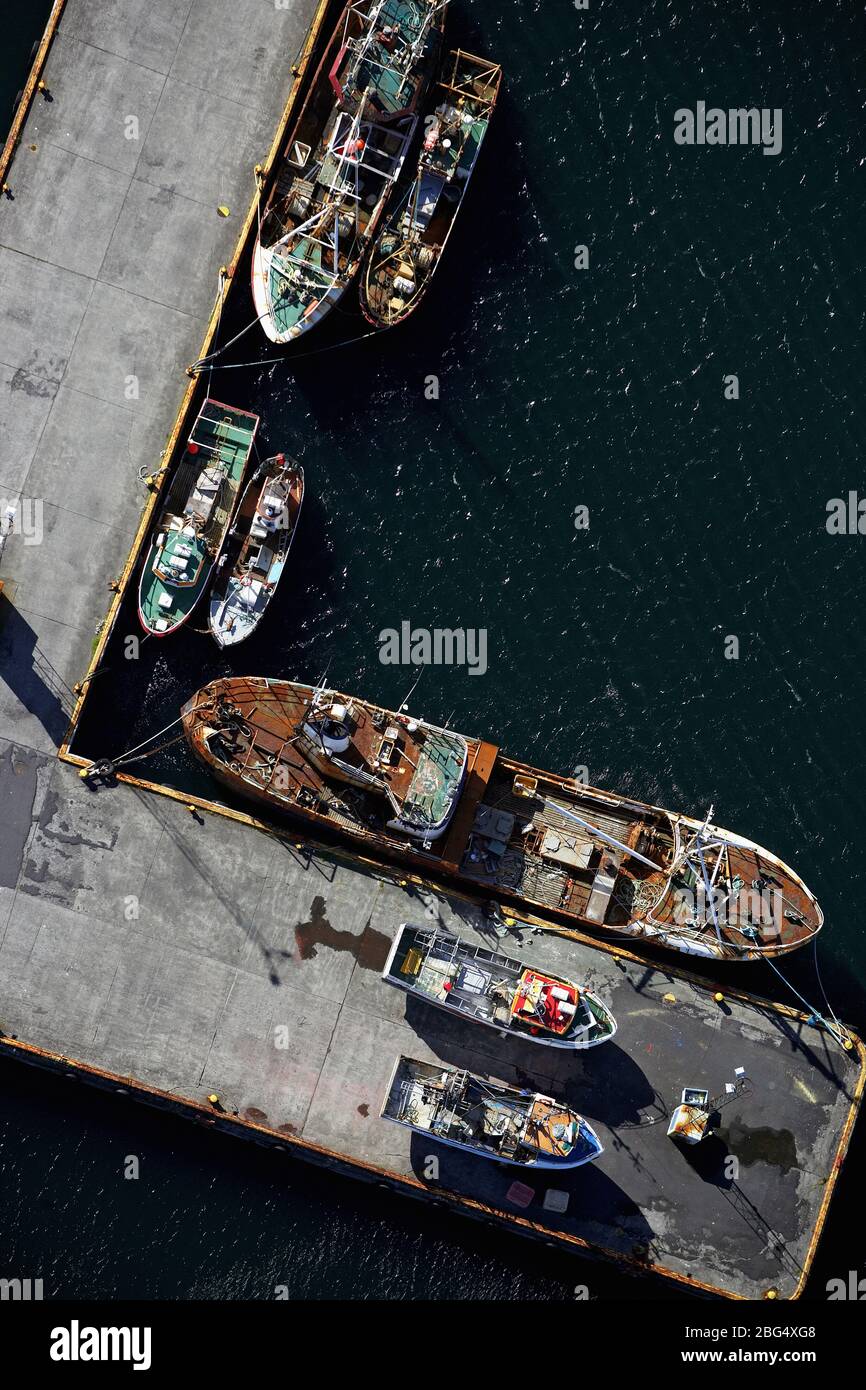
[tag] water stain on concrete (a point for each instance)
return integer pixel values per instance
(370, 949)
(762, 1145)
(22, 380)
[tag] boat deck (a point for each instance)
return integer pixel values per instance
(260, 981)
(421, 769)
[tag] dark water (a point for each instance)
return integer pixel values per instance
(22, 26)
(560, 388)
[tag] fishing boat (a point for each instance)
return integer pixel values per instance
(488, 1118)
(418, 224)
(252, 564)
(191, 531)
(486, 987)
(457, 807)
(343, 156)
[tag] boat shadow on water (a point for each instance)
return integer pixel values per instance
(452, 319)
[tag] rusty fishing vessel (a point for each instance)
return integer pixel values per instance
(420, 219)
(343, 156)
(487, 987)
(457, 807)
(487, 1117)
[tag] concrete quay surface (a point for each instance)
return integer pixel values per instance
(110, 249)
(198, 956)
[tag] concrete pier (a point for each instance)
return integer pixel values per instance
(173, 957)
(155, 116)
(197, 958)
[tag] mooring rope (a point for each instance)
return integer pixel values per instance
(128, 756)
(224, 279)
(207, 361)
(839, 1032)
(295, 357)
(823, 991)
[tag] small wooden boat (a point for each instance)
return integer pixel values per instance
(486, 987)
(488, 1118)
(253, 561)
(192, 527)
(419, 222)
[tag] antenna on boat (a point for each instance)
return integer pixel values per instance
(320, 681)
(405, 703)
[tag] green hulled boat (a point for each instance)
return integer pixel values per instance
(417, 227)
(192, 527)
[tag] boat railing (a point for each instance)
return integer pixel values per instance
(461, 85)
(344, 135)
(361, 45)
(422, 937)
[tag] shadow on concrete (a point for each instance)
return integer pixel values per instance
(30, 676)
(708, 1159)
(602, 1083)
(199, 866)
(594, 1201)
(304, 856)
(815, 1046)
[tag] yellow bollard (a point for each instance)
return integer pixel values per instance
(223, 210)
(719, 998)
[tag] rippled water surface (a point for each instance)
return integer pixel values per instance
(561, 388)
